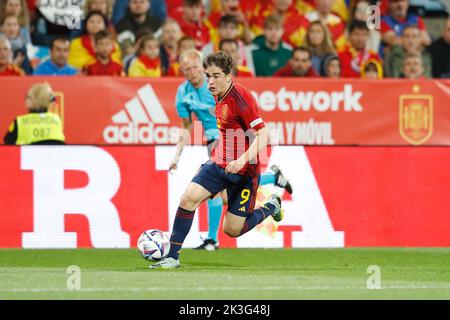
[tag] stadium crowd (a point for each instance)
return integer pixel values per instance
(286, 38)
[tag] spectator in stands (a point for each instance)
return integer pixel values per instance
(273, 54)
(300, 65)
(294, 23)
(128, 60)
(413, 67)
(57, 64)
(331, 66)
(158, 8)
(103, 65)
(231, 47)
(360, 12)
(10, 28)
(192, 24)
(148, 62)
(137, 17)
(38, 102)
(355, 53)
(398, 18)
(104, 6)
(7, 68)
(82, 49)
(393, 62)
(171, 34)
(318, 41)
(184, 44)
(228, 29)
(334, 23)
(440, 53)
(372, 70)
(20, 10)
(229, 8)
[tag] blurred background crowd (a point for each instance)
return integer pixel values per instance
(282, 38)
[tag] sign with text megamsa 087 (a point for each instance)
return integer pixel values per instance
(107, 110)
(105, 197)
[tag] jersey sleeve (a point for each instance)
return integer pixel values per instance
(182, 109)
(250, 114)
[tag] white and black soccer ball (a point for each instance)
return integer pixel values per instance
(153, 245)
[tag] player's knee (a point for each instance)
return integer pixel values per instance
(232, 232)
(188, 202)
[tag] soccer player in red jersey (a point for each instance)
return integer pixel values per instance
(234, 165)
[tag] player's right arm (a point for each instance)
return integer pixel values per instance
(183, 139)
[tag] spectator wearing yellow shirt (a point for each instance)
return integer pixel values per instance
(82, 49)
(148, 61)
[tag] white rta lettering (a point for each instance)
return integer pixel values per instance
(52, 201)
(322, 101)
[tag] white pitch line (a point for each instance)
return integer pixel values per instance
(157, 289)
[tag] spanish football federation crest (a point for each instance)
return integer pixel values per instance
(416, 116)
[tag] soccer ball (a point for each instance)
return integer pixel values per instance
(153, 245)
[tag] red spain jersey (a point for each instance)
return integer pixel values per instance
(236, 112)
(99, 69)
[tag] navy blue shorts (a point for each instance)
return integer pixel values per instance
(241, 190)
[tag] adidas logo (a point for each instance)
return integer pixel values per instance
(143, 120)
(242, 209)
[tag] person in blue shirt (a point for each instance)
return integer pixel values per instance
(193, 97)
(57, 64)
(158, 8)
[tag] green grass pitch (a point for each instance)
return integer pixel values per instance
(229, 274)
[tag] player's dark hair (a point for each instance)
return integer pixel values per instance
(357, 24)
(302, 49)
(225, 41)
(221, 60)
(103, 34)
(228, 19)
(60, 38)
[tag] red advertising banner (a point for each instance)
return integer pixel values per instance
(104, 197)
(105, 110)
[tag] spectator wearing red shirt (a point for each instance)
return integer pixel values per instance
(300, 65)
(103, 65)
(334, 23)
(192, 24)
(355, 53)
(6, 67)
(231, 47)
(294, 23)
(228, 29)
(230, 8)
(398, 18)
